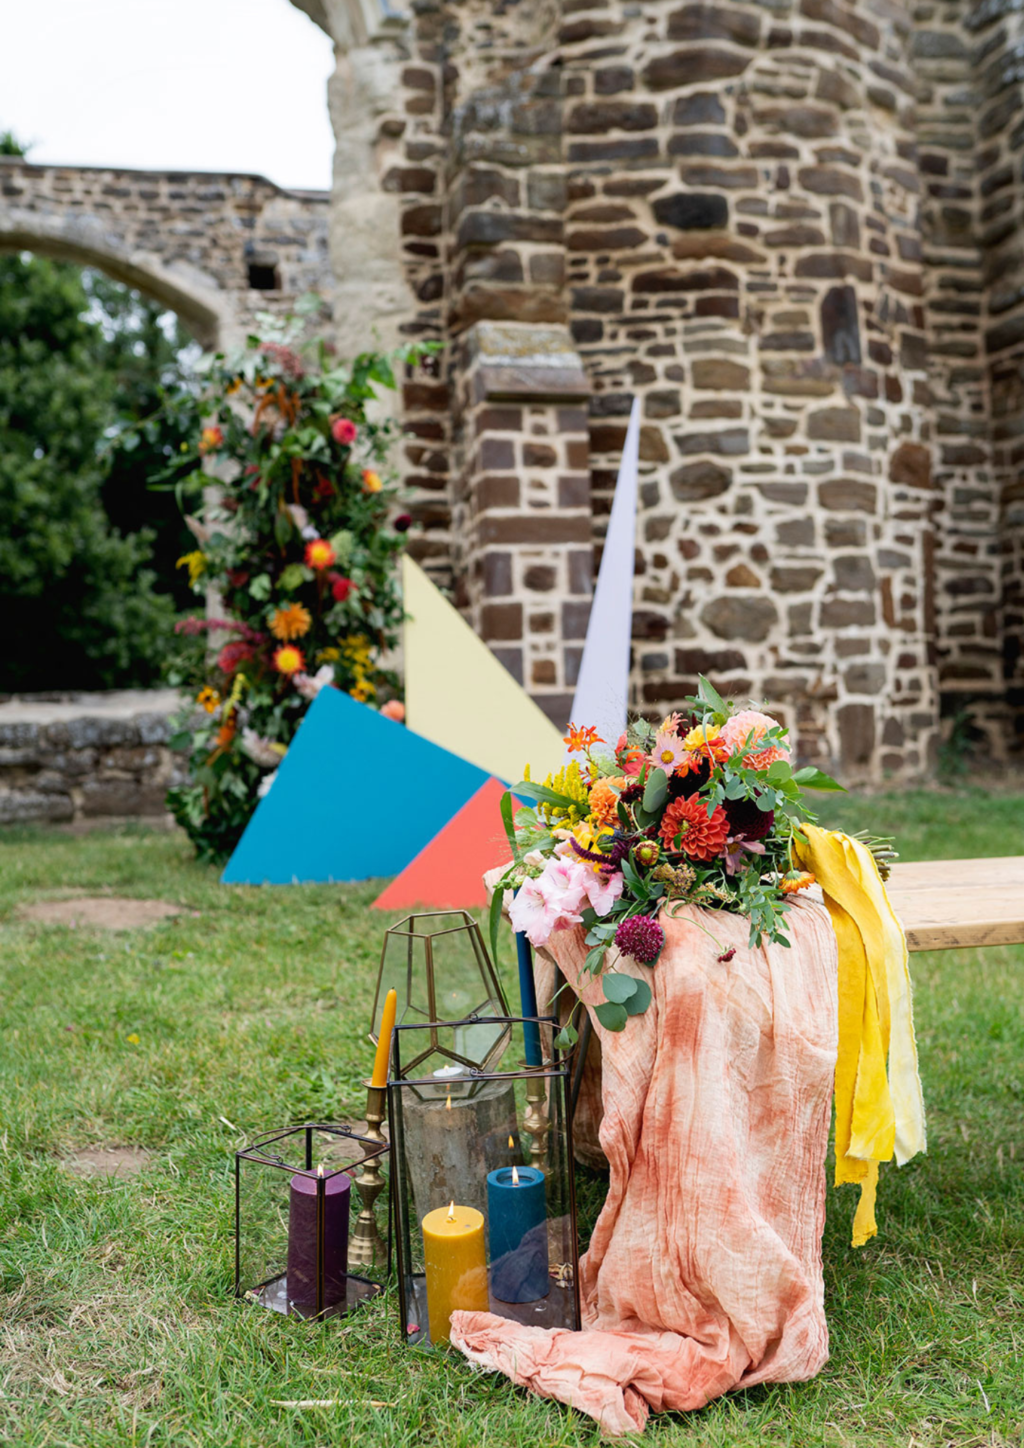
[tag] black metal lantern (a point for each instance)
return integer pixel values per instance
(482, 1186)
(296, 1210)
(438, 964)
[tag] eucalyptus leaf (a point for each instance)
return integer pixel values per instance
(594, 958)
(619, 988)
(655, 791)
(567, 1037)
(611, 1015)
(639, 1000)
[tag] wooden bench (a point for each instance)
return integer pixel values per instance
(949, 904)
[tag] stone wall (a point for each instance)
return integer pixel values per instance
(86, 756)
(216, 248)
(792, 227)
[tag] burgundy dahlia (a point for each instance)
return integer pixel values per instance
(641, 937)
(747, 820)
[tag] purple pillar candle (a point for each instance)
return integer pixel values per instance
(335, 1193)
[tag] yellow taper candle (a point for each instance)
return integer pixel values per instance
(456, 1258)
(387, 1025)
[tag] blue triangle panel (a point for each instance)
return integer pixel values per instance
(356, 797)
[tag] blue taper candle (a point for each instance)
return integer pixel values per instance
(517, 1231)
(528, 999)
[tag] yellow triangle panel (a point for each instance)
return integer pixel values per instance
(460, 697)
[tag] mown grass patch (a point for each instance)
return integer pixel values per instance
(117, 1324)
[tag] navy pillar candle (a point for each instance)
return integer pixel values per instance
(302, 1240)
(517, 1225)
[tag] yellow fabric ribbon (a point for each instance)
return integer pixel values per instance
(877, 1114)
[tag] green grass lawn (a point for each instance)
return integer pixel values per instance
(117, 1320)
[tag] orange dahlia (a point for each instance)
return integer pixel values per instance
(604, 801)
(372, 482)
(289, 660)
(706, 745)
(685, 826)
(320, 554)
(795, 880)
(226, 732)
(291, 621)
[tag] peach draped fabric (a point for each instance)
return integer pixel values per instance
(704, 1269)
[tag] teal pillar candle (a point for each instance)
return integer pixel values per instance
(517, 1228)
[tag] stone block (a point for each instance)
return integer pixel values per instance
(853, 573)
(840, 326)
(696, 481)
(691, 211)
(834, 424)
(714, 22)
(719, 375)
(911, 463)
(692, 65)
(736, 618)
(856, 734)
(22, 805)
(795, 578)
(102, 797)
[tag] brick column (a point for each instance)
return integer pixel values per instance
(522, 498)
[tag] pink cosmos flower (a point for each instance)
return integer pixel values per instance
(394, 709)
(668, 754)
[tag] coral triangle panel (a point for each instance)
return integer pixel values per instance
(449, 873)
(459, 696)
(356, 797)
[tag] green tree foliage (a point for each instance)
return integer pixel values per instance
(86, 604)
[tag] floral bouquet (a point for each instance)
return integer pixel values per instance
(701, 810)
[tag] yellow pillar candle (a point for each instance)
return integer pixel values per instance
(387, 1025)
(456, 1258)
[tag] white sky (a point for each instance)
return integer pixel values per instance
(196, 85)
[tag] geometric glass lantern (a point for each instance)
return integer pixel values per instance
(482, 1188)
(295, 1211)
(439, 966)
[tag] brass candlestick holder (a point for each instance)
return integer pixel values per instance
(367, 1246)
(536, 1120)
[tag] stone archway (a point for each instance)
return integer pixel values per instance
(215, 248)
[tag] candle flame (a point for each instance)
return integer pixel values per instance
(320, 1170)
(451, 1211)
(448, 1103)
(515, 1177)
(511, 1144)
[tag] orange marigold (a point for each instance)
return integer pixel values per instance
(795, 880)
(319, 554)
(291, 621)
(580, 739)
(685, 826)
(289, 660)
(372, 482)
(604, 801)
(706, 745)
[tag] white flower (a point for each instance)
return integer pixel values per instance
(310, 685)
(263, 788)
(267, 753)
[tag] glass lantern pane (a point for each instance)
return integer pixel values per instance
(485, 1210)
(296, 1225)
(437, 964)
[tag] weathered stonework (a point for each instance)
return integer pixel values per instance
(87, 756)
(216, 248)
(793, 229)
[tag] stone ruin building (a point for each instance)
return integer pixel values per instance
(792, 227)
